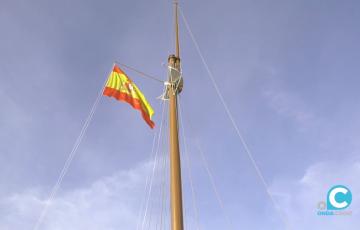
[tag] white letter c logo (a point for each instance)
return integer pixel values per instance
(333, 200)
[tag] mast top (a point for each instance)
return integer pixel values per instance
(174, 72)
(177, 45)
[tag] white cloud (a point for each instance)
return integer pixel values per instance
(299, 198)
(108, 203)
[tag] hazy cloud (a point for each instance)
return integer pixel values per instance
(299, 197)
(108, 203)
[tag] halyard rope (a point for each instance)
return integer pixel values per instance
(69, 159)
(147, 182)
(153, 171)
(163, 184)
(187, 158)
(140, 72)
(242, 140)
(212, 180)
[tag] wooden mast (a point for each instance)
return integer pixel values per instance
(177, 46)
(175, 166)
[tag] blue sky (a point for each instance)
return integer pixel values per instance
(288, 71)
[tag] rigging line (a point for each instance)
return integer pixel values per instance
(147, 178)
(186, 224)
(158, 170)
(150, 204)
(161, 170)
(161, 181)
(187, 158)
(153, 170)
(157, 160)
(212, 180)
(167, 192)
(140, 72)
(161, 148)
(242, 140)
(163, 191)
(165, 205)
(163, 186)
(162, 195)
(69, 159)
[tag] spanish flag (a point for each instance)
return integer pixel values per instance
(121, 87)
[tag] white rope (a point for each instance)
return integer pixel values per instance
(153, 171)
(193, 194)
(68, 161)
(146, 184)
(161, 175)
(185, 218)
(167, 194)
(247, 150)
(162, 201)
(163, 184)
(140, 72)
(212, 180)
(213, 184)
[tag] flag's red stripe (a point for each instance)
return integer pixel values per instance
(134, 102)
(117, 69)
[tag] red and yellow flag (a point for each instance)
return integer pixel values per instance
(121, 87)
